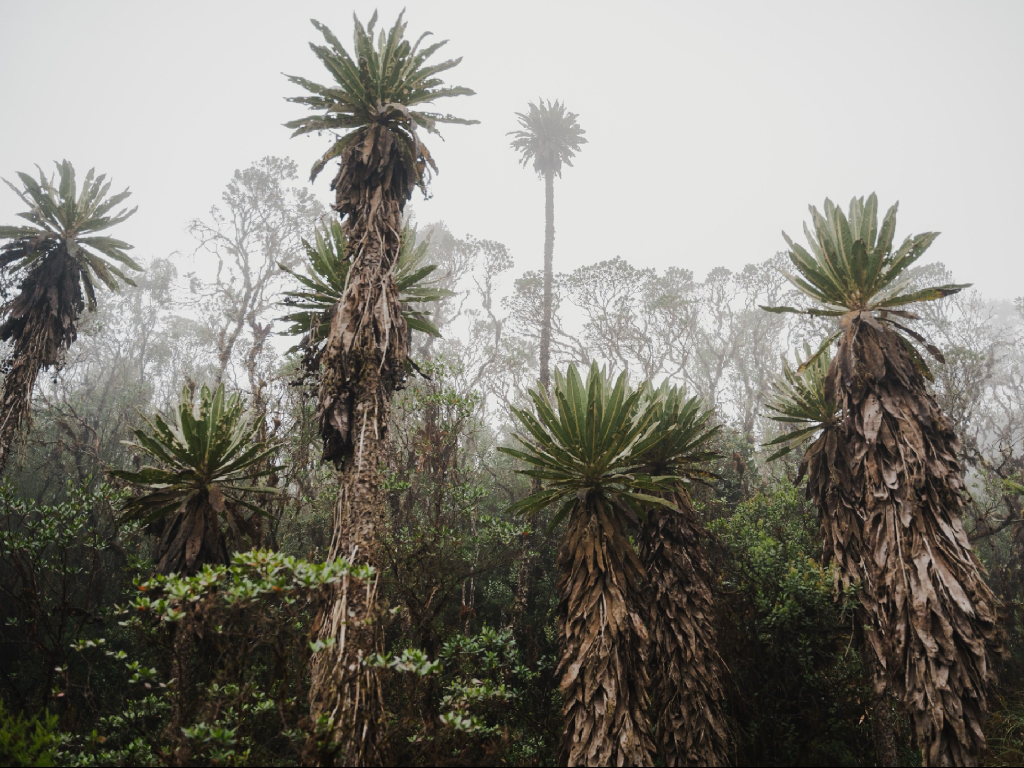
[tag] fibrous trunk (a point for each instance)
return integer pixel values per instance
(687, 697)
(40, 324)
(603, 669)
(363, 363)
(549, 249)
(191, 538)
(891, 493)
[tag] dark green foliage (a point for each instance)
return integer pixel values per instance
(799, 694)
(58, 575)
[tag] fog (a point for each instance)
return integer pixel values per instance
(711, 127)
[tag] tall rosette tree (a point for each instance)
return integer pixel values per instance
(548, 137)
(587, 445)
(895, 486)
(374, 106)
(58, 257)
(687, 696)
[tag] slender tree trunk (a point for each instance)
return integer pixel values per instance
(604, 679)
(890, 490)
(687, 697)
(363, 364)
(549, 249)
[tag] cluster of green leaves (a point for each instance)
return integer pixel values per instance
(606, 441)
(548, 136)
(323, 286)
(245, 701)
(253, 576)
(379, 85)
(688, 434)
(485, 706)
(802, 400)
(852, 267)
(209, 448)
(28, 741)
(63, 218)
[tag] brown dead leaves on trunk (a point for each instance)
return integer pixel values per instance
(363, 363)
(687, 698)
(890, 491)
(41, 324)
(604, 680)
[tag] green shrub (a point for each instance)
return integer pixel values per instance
(28, 741)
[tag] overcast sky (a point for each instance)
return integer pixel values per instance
(712, 126)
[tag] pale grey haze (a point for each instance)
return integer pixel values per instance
(711, 125)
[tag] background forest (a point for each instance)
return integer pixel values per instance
(93, 670)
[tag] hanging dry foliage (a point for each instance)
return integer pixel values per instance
(604, 678)
(373, 103)
(895, 495)
(885, 476)
(60, 255)
(686, 695)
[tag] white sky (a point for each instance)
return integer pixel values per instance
(711, 125)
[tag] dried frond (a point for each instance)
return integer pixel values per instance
(687, 697)
(323, 287)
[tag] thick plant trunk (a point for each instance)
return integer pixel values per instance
(362, 365)
(687, 697)
(890, 490)
(40, 323)
(16, 398)
(549, 250)
(604, 680)
(191, 538)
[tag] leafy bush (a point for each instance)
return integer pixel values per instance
(800, 696)
(219, 675)
(28, 741)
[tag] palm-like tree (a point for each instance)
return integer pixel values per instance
(209, 460)
(687, 697)
(895, 487)
(374, 106)
(58, 256)
(548, 137)
(323, 287)
(589, 453)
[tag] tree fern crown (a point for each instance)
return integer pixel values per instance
(64, 218)
(385, 82)
(548, 136)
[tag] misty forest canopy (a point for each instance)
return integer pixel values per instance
(344, 488)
